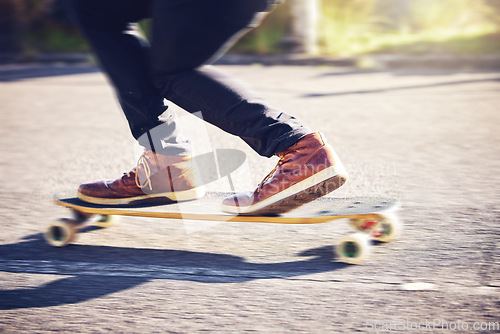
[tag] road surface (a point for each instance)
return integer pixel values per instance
(429, 138)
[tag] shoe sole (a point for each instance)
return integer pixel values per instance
(177, 196)
(297, 195)
(292, 202)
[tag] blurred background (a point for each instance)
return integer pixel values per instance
(336, 28)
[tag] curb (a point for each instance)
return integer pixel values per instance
(442, 62)
(286, 59)
(376, 62)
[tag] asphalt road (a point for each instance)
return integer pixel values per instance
(430, 139)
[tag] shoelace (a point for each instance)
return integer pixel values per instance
(280, 162)
(144, 164)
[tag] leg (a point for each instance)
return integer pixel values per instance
(190, 34)
(125, 59)
(187, 36)
(124, 56)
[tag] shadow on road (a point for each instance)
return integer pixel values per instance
(42, 71)
(391, 89)
(97, 271)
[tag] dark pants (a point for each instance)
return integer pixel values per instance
(186, 34)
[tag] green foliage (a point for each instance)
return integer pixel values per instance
(347, 27)
(32, 26)
(354, 27)
(455, 15)
(55, 38)
(268, 38)
(442, 26)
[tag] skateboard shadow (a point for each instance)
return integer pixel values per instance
(97, 271)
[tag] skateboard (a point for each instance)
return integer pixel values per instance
(373, 218)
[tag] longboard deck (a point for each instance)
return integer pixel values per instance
(208, 209)
(372, 217)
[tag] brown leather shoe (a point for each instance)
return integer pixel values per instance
(156, 176)
(306, 171)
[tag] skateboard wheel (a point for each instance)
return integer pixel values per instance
(61, 232)
(389, 229)
(354, 249)
(105, 221)
(384, 229)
